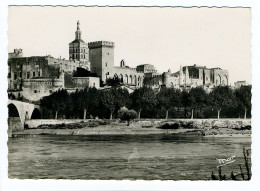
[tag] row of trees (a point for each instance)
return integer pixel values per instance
(147, 103)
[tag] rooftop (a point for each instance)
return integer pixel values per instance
(78, 41)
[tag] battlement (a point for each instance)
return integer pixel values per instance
(99, 44)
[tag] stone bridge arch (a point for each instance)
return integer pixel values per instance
(25, 110)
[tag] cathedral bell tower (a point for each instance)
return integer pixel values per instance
(78, 49)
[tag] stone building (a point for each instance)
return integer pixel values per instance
(101, 57)
(194, 76)
(16, 54)
(78, 49)
(31, 78)
(146, 68)
(238, 84)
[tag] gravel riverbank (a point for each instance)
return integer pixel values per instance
(199, 127)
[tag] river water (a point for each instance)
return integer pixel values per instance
(162, 157)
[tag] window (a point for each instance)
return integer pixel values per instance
(15, 76)
(106, 64)
(39, 73)
(21, 74)
(108, 53)
(15, 86)
(35, 91)
(206, 78)
(28, 75)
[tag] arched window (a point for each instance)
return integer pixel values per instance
(126, 78)
(131, 79)
(121, 78)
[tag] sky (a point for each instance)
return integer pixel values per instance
(165, 37)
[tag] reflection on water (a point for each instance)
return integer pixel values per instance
(163, 157)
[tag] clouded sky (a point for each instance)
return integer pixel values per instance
(164, 37)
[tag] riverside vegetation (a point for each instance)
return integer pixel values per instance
(221, 102)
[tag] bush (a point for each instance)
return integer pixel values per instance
(170, 126)
(127, 115)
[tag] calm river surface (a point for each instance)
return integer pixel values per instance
(163, 157)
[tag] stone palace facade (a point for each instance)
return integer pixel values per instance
(90, 65)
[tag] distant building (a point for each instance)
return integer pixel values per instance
(146, 68)
(101, 57)
(193, 76)
(78, 49)
(34, 77)
(238, 84)
(16, 54)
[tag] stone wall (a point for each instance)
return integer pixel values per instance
(14, 124)
(129, 76)
(36, 122)
(221, 77)
(64, 65)
(74, 83)
(83, 82)
(35, 89)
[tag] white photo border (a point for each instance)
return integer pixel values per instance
(73, 185)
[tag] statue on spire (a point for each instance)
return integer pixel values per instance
(78, 32)
(78, 25)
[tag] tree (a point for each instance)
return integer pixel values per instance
(109, 101)
(87, 98)
(222, 97)
(168, 97)
(127, 115)
(148, 81)
(243, 97)
(185, 101)
(57, 101)
(143, 97)
(198, 98)
(115, 98)
(114, 82)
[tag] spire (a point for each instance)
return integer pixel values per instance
(78, 26)
(78, 32)
(187, 76)
(181, 76)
